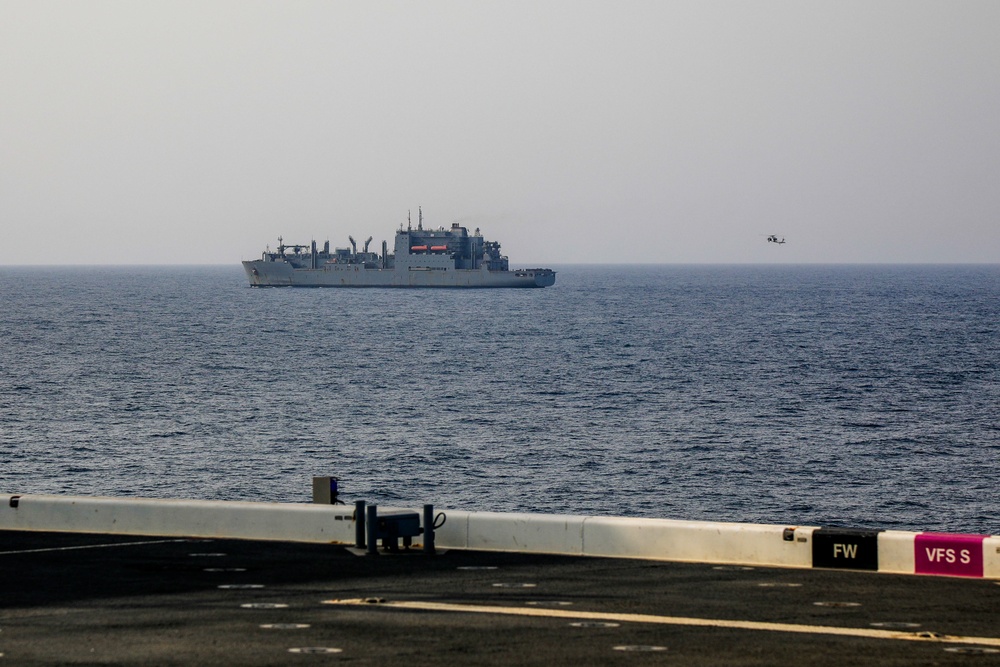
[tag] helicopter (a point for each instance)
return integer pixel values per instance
(773, 238)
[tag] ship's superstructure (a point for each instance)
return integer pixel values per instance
(421, 258)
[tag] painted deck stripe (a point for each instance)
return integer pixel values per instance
(867, 633)
(90, 546)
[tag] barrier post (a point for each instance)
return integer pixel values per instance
(359, 524)
(372, 529)
(429, 530)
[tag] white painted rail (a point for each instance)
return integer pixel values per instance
(178, 518)
(653, 539)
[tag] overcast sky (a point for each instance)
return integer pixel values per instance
(665, 131)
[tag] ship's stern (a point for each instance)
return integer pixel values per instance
(544, 277)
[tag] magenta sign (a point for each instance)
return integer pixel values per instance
(945, 553)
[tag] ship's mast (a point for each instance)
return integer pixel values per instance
(420, 219)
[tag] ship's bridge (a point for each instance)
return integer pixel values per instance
(464, 251)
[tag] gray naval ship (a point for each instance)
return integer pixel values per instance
(422, 258)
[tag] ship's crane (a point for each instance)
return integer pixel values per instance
(295, 248)
(354, 245)
(367, 243)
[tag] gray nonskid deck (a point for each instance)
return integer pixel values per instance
(111, 600)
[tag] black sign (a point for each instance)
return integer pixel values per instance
(845, 549)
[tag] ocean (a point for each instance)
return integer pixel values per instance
(855, 396)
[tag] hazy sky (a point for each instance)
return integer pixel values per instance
(571, 131)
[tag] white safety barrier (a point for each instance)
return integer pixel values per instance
(991, 557)
(899, 552)
(494, 531)
(178, 518)
(656, 539)
(699, 541)
(895, 551)
(653, 539)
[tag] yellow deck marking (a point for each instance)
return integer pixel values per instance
(868, 633)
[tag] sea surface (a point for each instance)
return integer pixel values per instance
(861, 396)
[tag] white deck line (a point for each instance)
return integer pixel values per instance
(112, 545)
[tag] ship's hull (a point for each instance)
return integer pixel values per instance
(282, 274)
